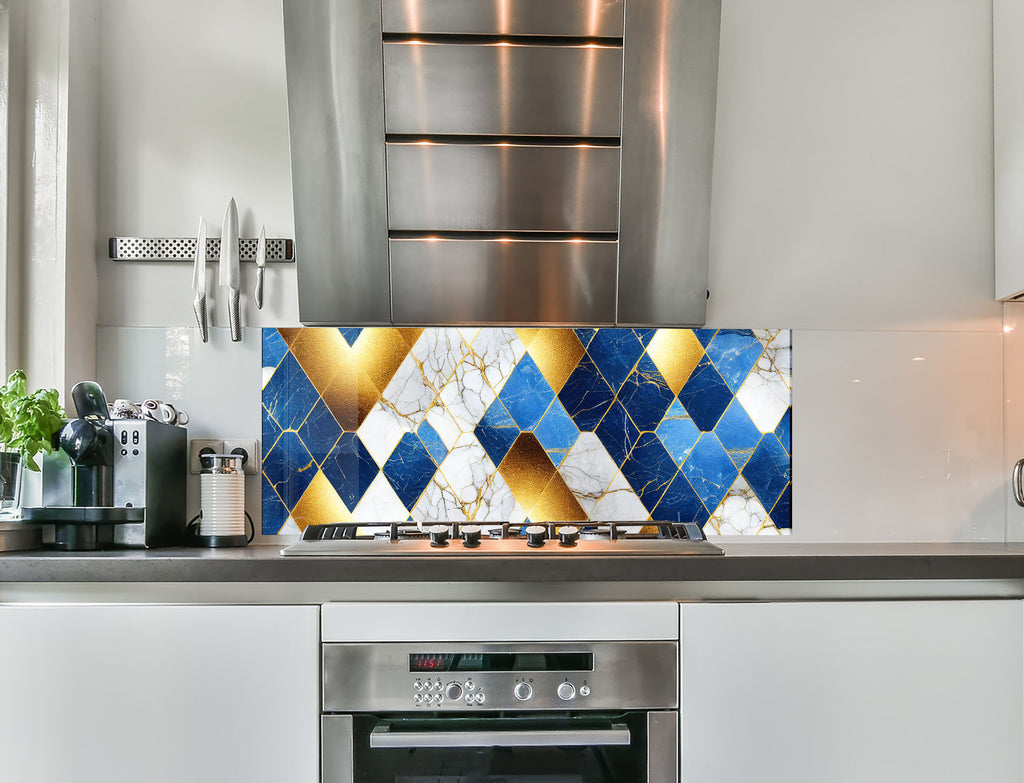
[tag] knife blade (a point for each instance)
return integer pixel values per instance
(261, 262)
(229, 275)
(199, 282)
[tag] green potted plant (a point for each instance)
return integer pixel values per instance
(28, 422)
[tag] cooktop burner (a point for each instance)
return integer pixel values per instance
(457, 539)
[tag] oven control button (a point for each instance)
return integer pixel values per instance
(470, 685)
(479, 698)
(417, 686)
(522, 691)
(584, 690)
(453, 691)
(417, 699)
(469, 698)
(566, 691)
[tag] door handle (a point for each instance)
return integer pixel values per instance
(383, 737)
(1018, 489)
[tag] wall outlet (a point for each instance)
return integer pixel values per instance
(199, 446)
(249, 448)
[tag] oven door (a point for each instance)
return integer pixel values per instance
(630, 747)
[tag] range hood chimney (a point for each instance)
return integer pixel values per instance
(502, 161)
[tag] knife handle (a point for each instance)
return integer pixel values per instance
(234, 317)
(258, 294)
(199, 306)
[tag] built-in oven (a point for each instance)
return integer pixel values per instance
(513, 712)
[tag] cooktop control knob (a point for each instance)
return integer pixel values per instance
(453, 691)
(566, 691)
(522, 691)
(438, 535)
(568, 534)
(471, 535)
(535, 535)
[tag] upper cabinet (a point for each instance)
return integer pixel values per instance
(521, 161)
(1008, 170)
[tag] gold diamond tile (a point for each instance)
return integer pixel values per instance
(527, 335)
(410, 336)
(379, 353)
(675, 353)
(557, 504)
(350, 397)
(289, 335)
(527, 469)
(556, 352)
(320, 504)
(322, 354)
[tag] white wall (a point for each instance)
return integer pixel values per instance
(852, 203)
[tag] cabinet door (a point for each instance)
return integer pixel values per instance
(887, 691)
(160, 694)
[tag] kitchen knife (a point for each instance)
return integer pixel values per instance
(229, 276)
(261, 262)
(199, 281)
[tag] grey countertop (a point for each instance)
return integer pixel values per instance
(743, 562)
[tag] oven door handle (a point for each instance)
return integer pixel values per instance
(382, 737)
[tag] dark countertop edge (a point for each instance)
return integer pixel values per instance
(751, 562)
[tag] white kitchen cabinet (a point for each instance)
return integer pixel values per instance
(852, 692)
(1008, 152)
(159, 694)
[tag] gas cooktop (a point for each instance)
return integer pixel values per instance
(455, 539)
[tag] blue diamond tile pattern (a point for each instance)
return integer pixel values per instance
(680, 504)
(557, 433)
(409, 469)
(274, 348)
(617, 433)
(669, 457)
(497, 431)
(432, 442)
(737, 434)
(586, 395)
(768, 471)
(645, 395)
(615, 352)
(350, 468)
(526, 394)
(705, 395)
(734, 352)
(678, 433)
(319, 432)
(289, 396)
(709, 470)
(649, 470)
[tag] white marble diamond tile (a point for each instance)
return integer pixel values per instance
(475, 483)
(444, 425)
(767, 391)
(268, 373)
(380, 503)
(289, 527)
(739, 513)
(438, 351)
(381, 431)
(497, 353)
(438, 503)
(588, 471)
(467, 395)
(408, 395)
(619, 503)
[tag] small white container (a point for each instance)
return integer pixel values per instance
(222, 498)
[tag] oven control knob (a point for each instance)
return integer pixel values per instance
(438, 535)
(535, 535)
(453, 691)
(523, 691)
(566, 691)
(471, 535)
(568, 534)
(584, 690)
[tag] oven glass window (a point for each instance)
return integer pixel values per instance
(533, 756)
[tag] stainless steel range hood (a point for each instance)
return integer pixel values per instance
(502, 161)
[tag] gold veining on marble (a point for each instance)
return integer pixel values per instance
(322, 353)
(675, 352)
(320, 503)
(379, 353)
(556, 352)
(527, 470)
(556, 504)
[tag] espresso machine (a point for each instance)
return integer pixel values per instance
(113, 482)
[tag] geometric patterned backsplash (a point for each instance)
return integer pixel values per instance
(508, 425)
